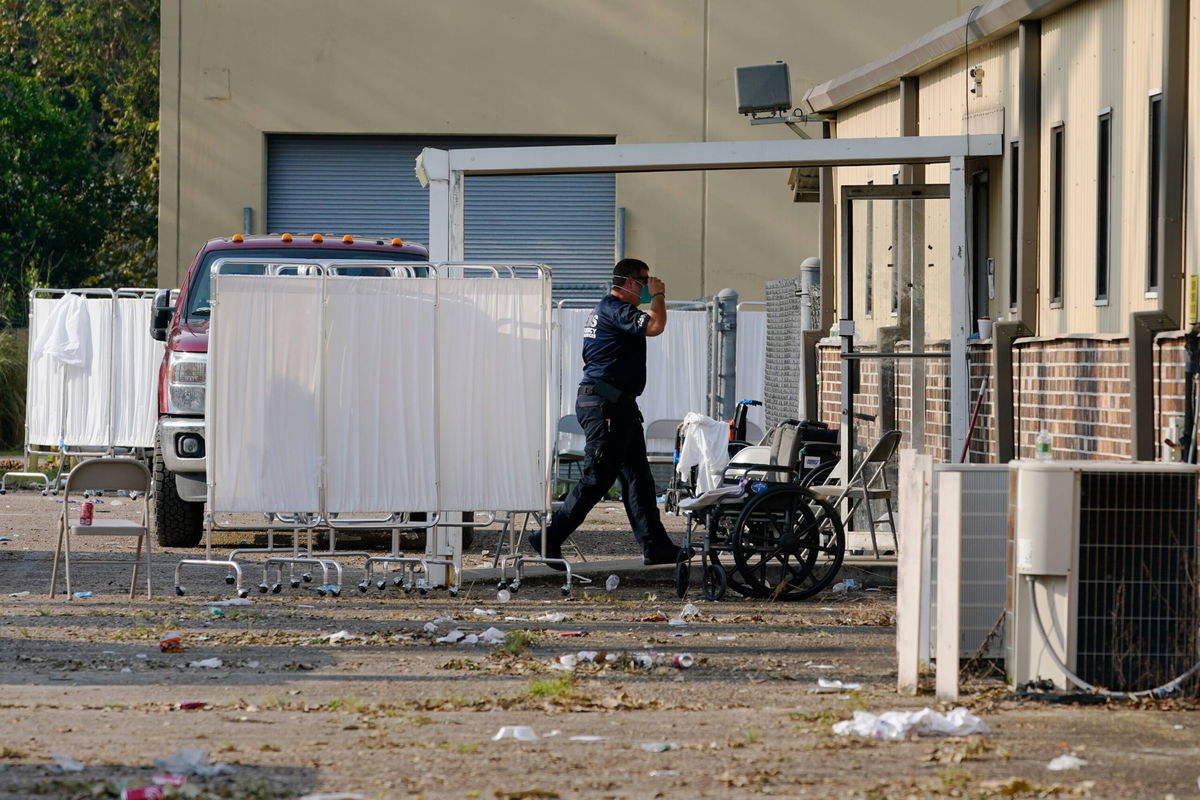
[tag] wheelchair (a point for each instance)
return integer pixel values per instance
(763, 533)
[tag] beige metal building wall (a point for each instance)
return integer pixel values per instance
(1098, 55)
(234, 71)
(876, 116)
(949, 107)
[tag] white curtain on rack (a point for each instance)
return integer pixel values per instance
(137, 359)
(264, 394)
(492, 335)
(751, 361)
(379, 409)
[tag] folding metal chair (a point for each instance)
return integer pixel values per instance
(570, 457)
(105, 474)
(868, 483)
(661, 430)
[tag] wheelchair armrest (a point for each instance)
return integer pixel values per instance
(742, 466)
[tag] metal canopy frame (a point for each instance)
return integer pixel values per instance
(444, 172)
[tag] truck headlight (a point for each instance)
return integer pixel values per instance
(186, 373)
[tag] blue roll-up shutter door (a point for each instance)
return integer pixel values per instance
(366, 185)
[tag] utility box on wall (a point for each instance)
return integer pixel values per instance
(763, 88)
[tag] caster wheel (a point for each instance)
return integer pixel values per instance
(179, 590)
(307, 577)
(514, 587)
(565, 589)
(453, 591)
(276, 588)
(262, 588)
(44, 493)
(2, 491)
(362, 587)
(381, 585)
(714, 582)
(397, 581)
(229, 579)
(422, 591)
(335, 592)
(295, 583)
(683, 572)
(500, 585)
(320, 591)
(243, 593)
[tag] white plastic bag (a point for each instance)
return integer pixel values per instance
(894, 726)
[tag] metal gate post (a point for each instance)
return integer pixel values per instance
(726, 325)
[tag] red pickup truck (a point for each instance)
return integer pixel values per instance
(179, 452)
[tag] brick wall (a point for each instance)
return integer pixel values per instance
(1078, 387)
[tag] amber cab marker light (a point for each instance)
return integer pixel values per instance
(318, 238)
(287, 237)
(347, 239)
(397, 242)
(237, 238)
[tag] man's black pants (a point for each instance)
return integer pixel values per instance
(615, 451)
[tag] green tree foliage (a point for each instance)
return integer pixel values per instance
(78, 144)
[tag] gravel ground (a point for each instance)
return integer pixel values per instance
(353, 694)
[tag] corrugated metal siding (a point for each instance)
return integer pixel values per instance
(1096, 55)
(366, 185)
(1192, 230)
(874, 117)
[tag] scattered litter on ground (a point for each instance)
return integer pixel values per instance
(191, 705)
(651, 660)
(663, 773)
(658, 747)
(612, 583)
(586, 738)
(1065, 762)
(483, 612)
(895, 726)
(82, 595)
(170, 643)
(492, 636)
(689, 610)
(677, 621)
(522, 733)
(19, 594)
(216, 612)
(207, 663)
(191, 761)
(567, 633)
(237, 601)
(551, 616)
(825, 685)
(5, 539)
(503, 596)
(429, 627)
(341, 636)
(451, 637)
(726, 637)
(65, 763)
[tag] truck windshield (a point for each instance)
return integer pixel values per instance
(200, 290)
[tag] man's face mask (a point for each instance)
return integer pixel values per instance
(644, 297)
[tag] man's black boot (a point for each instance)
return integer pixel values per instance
(552, 550)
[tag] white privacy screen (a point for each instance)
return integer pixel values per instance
(379, 409)
(492, 340)
(402, 394)
(263, 398)
(676, 369)
(107, 399)
(751, 361)
(135, 381)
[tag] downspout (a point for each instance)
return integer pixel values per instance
(1144, 325)
(1029, 167)
(902, 264)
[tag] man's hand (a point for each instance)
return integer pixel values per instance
(658, 306)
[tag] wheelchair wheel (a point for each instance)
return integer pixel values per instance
(715, 582)
(819, 474)
(683, 571)
(788, 543)
(720, 534)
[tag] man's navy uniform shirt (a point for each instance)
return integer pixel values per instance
(614, 345)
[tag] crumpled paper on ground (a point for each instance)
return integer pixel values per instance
(894, 726)
(1066, 761)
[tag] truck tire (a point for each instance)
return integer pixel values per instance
(176, 522)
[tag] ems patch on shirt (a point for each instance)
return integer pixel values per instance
(642, 320)
(589, 327)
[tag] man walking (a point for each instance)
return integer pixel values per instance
(614, 375)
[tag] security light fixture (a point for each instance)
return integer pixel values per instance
(765, 88)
